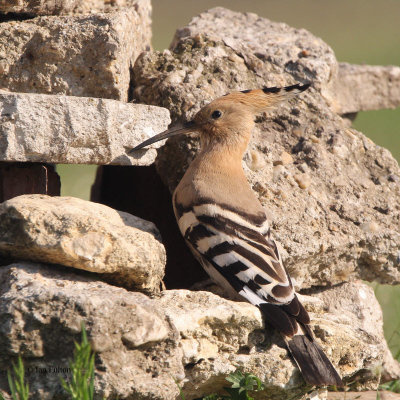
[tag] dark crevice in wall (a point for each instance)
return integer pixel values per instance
(140, 191)
(131, 87)
(7, 17)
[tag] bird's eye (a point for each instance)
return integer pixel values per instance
(216, 114)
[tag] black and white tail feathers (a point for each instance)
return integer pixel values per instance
(236, 250)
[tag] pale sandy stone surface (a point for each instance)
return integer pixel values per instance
(367, 87)
(368, 395)
(79, 55)
(195, 338)
(41, 311)
(38, 7)
(76, 130)
(84, 235)
(218, 335)
(335, 208)
(63, 7)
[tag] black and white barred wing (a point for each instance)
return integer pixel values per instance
(239, 254)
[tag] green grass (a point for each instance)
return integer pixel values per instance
(393, 386)
(79, 387)
(81, 384)
(16, 382)
(389, 299)
(383, 127)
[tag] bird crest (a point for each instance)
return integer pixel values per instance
(259, 100)
(230, 114)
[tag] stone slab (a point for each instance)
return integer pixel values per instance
(76, 130)
(368, 395)
(81, 55)
(38, 7)
(41, 311)
(64, 7)
(334, 203)
(367, 87)
(143, 346)
(117, 246)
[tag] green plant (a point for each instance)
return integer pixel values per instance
(81, 384)
(241, 384)
(19, 389)
(393, 386)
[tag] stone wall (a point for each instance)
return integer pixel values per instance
(332, 195)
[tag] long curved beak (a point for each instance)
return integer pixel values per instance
(188, 127)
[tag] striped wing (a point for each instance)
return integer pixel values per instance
(238, 252)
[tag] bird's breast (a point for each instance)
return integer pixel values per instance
(230, 193)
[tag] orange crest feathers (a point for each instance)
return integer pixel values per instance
(259, 100)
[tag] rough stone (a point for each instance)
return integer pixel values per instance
(84, 235)
(64, 7)
(107, 6)
(85, 55)
(41, 311)
(195, 338)
(284, 159)
(350, 178)
(369, 395)
(79, 130)
(41, 7)
(367, 87)
(346, 319)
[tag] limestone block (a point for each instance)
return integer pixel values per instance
(334, 207)
(99, 6)
(63, 7)
(41, 311)
(35, 7)
(81, 55)
(78, 130)
(367, 87)
(84, 235)
(219, 335)
(196, 338)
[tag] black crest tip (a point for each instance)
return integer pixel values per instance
(298, 87)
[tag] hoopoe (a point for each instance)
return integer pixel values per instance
(226, 227)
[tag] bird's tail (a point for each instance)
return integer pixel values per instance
(312, 361)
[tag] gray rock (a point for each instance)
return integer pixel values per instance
(369, 395)
(41, 7)
(367, 87)
(84, 235)
(41, 311)
(78, 130)
(107, 6)
(64, 7)
(334, 208)
(268, 47)
(219, 335)
(85, 55)
(196, 338)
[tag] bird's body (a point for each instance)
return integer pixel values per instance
(227, 230)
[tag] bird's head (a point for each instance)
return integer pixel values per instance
(230, 118)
